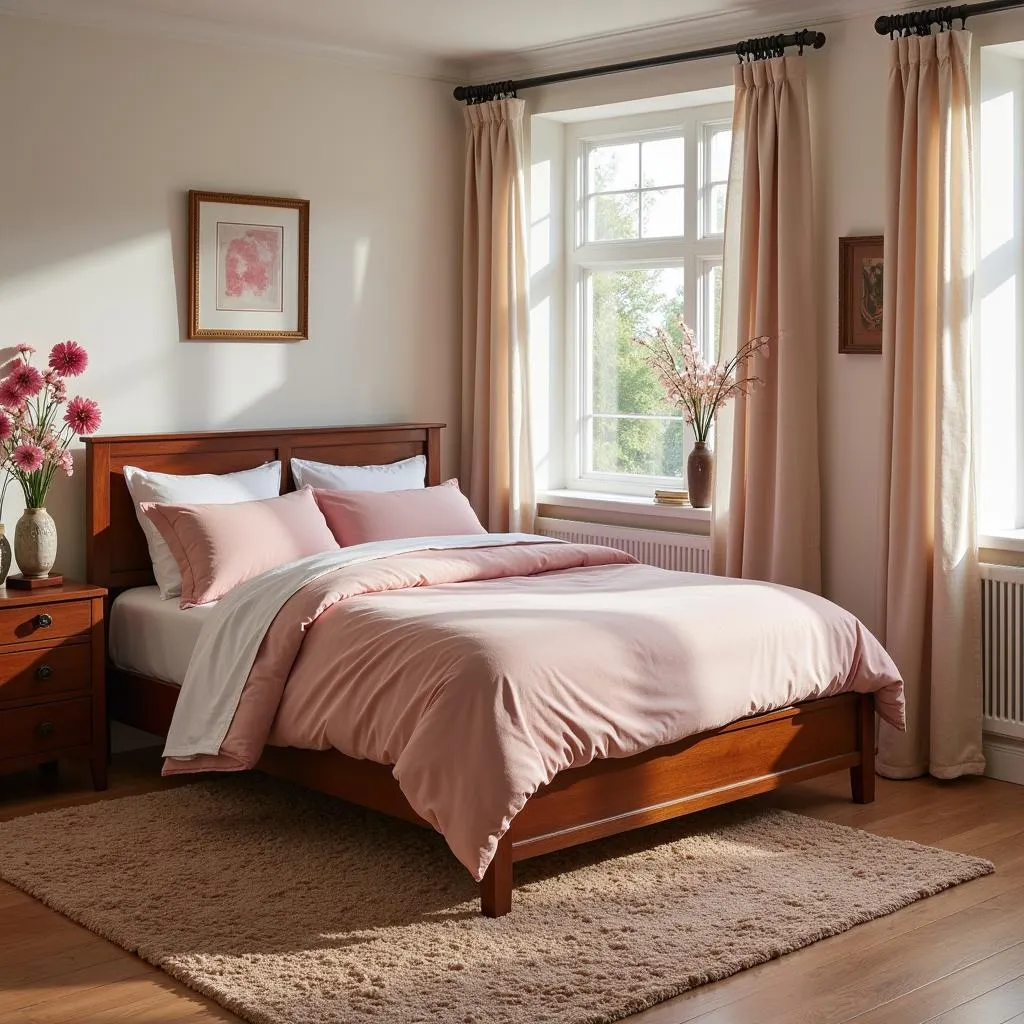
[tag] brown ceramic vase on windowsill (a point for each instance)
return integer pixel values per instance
(699, 466)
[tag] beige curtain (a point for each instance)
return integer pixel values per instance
(929, 588)
(766, 511)
(497, 468)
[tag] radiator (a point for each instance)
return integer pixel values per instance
(684, 552)
(1002, 651)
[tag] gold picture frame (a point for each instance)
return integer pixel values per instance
(248, 274)
(861, 290)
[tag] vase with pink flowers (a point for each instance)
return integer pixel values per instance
(37, 425)
(700, 389)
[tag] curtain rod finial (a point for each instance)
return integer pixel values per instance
(883, 25)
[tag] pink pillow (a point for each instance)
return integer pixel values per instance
(219, 546)
(357, 517)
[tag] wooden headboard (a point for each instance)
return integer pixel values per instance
(116, 552)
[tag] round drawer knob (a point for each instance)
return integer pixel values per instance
(44, 729)
(44, 672)
(43, 620)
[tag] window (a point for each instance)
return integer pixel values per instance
(646, 215)
(999, 331)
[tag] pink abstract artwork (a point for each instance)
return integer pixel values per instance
(249, 267)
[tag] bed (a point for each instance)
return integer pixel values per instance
(607, 796)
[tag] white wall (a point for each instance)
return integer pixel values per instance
(848, 83)
(104, 133)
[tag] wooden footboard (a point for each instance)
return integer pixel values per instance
(751, 756)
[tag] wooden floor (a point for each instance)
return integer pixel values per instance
(957, 958)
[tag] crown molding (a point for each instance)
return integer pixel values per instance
(756, 17)
(713, 29)
(100, 14)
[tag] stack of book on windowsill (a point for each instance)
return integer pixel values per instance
(678, 498)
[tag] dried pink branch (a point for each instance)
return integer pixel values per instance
(699, 388)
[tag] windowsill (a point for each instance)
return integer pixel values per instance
(633, 504)
(1004, 540)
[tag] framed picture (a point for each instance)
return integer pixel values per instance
(860, 294)
(248, 277)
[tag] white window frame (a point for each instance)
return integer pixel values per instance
(696, 252)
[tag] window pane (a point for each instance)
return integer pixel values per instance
(711, 311)
(716, 209)
(663, 214)
(613, 168)
(663, 162)
(718, 166)
(640, 447)
(623, 305)
(613, 217)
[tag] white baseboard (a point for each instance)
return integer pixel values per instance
(1004, 759)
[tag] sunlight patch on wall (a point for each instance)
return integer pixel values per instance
(1000, 331)
(360, 266)
(540, 216)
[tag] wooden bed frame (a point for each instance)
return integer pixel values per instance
(607, 796)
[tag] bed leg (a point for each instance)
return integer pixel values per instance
(862, 777)
(496, 887)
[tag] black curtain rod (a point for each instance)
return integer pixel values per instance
(921, 22)
(764, 46)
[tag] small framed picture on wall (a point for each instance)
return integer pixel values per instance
(248, 267)
(861, 278)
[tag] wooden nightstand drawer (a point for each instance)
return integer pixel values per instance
(53, 695)
(44, 727)
(45, 620)
(40, 674)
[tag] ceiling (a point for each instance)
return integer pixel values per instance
(453, 38)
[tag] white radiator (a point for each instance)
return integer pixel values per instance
(685, 552)
(1002, 632)
(1002, 655)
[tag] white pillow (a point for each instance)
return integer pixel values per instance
(406, 475)
(202, 489)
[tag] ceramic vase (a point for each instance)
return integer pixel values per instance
(699, 467)
(5, 556)
(35, 543)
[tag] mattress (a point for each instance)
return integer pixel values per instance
(153, 637)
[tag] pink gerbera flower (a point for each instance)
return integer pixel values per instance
(6, 427)
(27, 457)
(10, 394)
(83, 415)
(66, 462)
(28, 380)
(68, 358)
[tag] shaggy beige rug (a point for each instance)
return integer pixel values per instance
(285, 906)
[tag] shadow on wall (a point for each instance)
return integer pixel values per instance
(360, 365)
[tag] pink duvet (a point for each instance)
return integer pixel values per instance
(481, 673)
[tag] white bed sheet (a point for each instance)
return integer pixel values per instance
(153, 637)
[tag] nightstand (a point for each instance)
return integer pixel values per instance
(52, 678)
